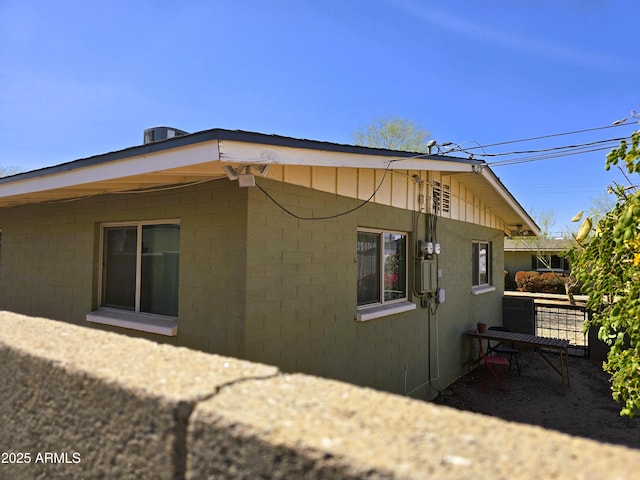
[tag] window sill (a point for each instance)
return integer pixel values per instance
(482, 289)
(143, 322)
(379, 311)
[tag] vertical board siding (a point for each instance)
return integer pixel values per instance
(383, 184)
(366, 184)
(347, 182)
(399, 189)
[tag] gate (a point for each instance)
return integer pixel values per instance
(551, 318)
(562, 320)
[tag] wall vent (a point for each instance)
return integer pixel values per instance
(157, 134)
(441, 198)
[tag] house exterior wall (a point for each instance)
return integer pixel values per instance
(301, 294)
(49, 259)
(521, 261)
(462, 309)
(516, 262)
(258, 284)
(305, 271)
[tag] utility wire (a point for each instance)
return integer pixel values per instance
(534, 155)
(551, 136)
(544, 154)
(329, 217)
(551, 149)
(537, 158)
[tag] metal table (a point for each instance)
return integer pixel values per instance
(539, 344)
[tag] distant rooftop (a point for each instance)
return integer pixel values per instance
(528, 244)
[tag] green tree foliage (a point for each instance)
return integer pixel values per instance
(607, 263)
(600, 206)
(393, 133)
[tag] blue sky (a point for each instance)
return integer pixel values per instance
(80, 78)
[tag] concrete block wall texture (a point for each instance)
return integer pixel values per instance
(462, 309)
(308, 321)
(256, 283)
(306, 279)
(111, 406)
(50, 257)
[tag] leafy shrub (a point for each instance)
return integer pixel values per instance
(553, 282)
(525, 281)
(547, 282)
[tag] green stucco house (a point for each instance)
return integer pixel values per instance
(536, 254)
(358, 264)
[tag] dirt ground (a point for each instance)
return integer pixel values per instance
(535, 397)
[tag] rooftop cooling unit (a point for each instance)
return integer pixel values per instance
(157, 134)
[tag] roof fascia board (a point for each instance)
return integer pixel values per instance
(254, 153)
(277, 140)
(242, 137)
(112, 170)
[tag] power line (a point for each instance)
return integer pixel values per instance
(534, 155)
(548, 156)
(329, 217)
(551, 149)
(552, 135)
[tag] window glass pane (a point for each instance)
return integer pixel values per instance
(160, 269)
(480, 263)
(368, 252)
(119, 269)
(556, 261)
(395, 265)
(483, 264)
(475, 264)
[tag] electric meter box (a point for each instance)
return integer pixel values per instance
(426, 274)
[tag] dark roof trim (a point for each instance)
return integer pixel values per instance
(218, 134)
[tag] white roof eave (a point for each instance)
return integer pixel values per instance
(101, 172)
(204, 160)
(247, 153)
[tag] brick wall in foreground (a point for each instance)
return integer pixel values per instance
(83, 403)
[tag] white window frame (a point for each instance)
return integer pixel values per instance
(384, 307)
(133, 319)
(541, 267)
(477, 287)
